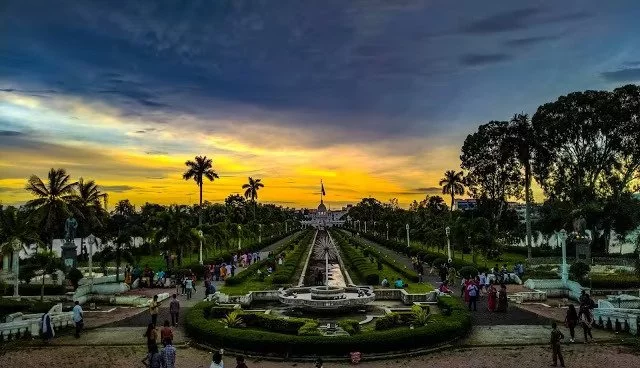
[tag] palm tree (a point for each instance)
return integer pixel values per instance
(54, 200)
(521, 140)
(251, 192)
(89, 202)
(17, 230)
(453, 184)
(199, 169)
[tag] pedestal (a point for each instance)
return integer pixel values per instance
(70, 255)
(583, 250)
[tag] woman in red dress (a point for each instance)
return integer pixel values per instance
(492, 297)
(466, 290)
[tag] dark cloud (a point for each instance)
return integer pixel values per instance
(632, 63)
(529, 41)
(483, 59)
(11, 133)
(117, 188)
(519, 19)
(622, 75)
(157, 152)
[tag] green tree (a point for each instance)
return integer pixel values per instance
(17, 230)
(54, 202)
(91, 203)
(48, 262)
(251, 192)
(453, 184)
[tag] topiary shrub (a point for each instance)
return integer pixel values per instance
(351, 326)
(74, 276)
(579, 270)
(468, 271)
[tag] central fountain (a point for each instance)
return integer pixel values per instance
(326, 285)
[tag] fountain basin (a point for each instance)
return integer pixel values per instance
(327, 298)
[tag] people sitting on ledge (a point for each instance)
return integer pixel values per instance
(385, 282)
(444, 288)
(399, 284)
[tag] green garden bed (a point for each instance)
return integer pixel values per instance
(454, 322)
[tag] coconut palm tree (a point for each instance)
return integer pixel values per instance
(54, 202)
(521, 141)
(453, 184)
(17, 230)
(251, 192)
(198, 170)
(89, 202)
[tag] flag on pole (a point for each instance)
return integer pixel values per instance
(322, 188)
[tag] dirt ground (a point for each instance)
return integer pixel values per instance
(576, 355)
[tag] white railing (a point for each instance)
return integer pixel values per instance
(20, 325)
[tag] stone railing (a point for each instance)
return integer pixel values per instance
(20, 325)
(404, 296)
(617, 319)
(612, 261)
(556, 288)
(306, 262)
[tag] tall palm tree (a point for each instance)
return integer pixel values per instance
(251, 192)
(521, 140)
(89, 203)
(54, 200)
(17, 230)
(453, 184)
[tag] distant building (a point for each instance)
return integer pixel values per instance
(521, 209)
(323, 217)
(464, 204)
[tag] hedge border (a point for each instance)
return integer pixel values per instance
(454, 323)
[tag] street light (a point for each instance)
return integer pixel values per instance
(91, 239)
(387, 231)
(260, 233)
(562, 234)
(200, 255)
(448, 231)
(408, 236)
(374, 228)
(239, 236)
(16, 246)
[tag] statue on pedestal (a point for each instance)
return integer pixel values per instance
(70, 227)
(580, 227)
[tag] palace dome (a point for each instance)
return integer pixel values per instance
(322, 208)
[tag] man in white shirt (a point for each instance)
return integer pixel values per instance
(78, 318)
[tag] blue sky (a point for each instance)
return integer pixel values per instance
(383, 90)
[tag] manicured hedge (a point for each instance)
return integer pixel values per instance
(615, 281)
(440, 329)
(251, 270)
(271, 323)
(367, 250)
(366, 271)
(34, 289)
(285, 272)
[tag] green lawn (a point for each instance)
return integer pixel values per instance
(509, 258)
(247, 286)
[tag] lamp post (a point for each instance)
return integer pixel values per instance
(286, 226)
(374, 228)
(200, 260)
(562, 235)
(326, 267)
(260, 233)
(91, 239)
(16, 266)
(239, 236)
(407, 226)
(448, 231)
(387, 231)
(365, 226)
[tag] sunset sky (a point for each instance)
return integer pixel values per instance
(373, 97)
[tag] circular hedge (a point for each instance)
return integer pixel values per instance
(267, 343)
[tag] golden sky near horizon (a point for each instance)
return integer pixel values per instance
(128, 159)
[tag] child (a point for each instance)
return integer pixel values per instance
(556, 337)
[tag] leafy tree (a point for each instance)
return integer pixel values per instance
(251, 192)
(89, 202)
(453, 184)
(54, 202)
(198, 170)
(494, 173)
(48, 262)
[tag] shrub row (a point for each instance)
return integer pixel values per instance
(292, 262)
(251, 270)
(289, 326)
(409, 274)
(615, 281)
(418, 251)
(444, 328)
(366, 271)
(393, 320)
(34, 289)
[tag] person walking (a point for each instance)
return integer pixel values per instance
(571, 321)
(472, 291)
(152, 338)
(556, 337)
(153, 309)
(168, 354)
(78, 318)
(46, 328)
(174, 310)
(189, 287)
(166, 333)
(153, 358)
(492, 297)
(586, 321)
